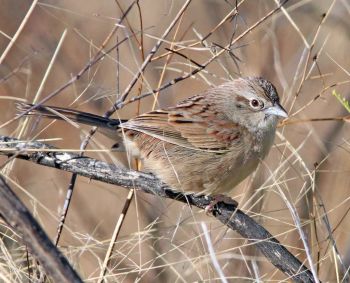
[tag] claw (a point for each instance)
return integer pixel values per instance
(212, 206)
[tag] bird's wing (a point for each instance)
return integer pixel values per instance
(193, 124)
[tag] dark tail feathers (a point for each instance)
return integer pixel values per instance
(60, 113)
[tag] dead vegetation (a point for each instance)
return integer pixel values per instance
(121, 58)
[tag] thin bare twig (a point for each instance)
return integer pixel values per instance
(310, 48)
(299, 121)
(19, 30)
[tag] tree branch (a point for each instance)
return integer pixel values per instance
(229, 215)
(14, 212)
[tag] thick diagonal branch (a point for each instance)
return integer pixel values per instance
(13, 211)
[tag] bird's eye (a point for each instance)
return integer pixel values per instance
(256, 104)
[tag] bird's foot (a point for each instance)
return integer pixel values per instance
(212, 207)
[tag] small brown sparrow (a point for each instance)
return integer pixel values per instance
(206, 144)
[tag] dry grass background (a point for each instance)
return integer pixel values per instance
(163, 240)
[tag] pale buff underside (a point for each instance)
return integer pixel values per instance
(211, 173)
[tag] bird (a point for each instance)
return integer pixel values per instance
(204, 145)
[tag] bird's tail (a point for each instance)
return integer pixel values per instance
(53, 112)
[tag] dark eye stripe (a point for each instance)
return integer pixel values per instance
(242, 99)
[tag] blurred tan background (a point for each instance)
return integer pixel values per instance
(162, 240)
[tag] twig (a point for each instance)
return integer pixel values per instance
(49, 67)
(184, 56)
(17, 69)
(212, 253)
(167, 61)
(299, 121)
(19, 30)
(229, 215)
(311, 46)
(115, 236)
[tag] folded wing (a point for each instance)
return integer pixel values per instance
(193, 123)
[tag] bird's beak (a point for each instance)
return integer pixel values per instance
(277, 110)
